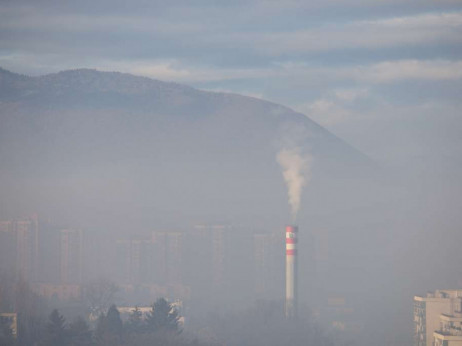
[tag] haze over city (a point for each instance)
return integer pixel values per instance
(280, 172)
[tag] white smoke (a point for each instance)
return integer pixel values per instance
(296, 169)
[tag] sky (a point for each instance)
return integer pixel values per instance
(386, 76)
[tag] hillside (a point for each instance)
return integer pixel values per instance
(106, 142)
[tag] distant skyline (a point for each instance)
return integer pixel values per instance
(117, 156)
(384, 75)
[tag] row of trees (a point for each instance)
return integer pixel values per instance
(16, 296)
(261, 324)
(162, 324)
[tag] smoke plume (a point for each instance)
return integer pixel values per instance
(296, 172)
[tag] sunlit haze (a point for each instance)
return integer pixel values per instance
(231, 173)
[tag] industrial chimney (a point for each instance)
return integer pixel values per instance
(291, 272)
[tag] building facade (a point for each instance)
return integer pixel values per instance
(428, 310)
(450, 331)
(70, 256)
(19, 247)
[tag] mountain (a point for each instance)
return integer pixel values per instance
(108, 145)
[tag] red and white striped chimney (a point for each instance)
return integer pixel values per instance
(291, 272)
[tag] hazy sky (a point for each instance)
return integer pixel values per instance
(384, 75)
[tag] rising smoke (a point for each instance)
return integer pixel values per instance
(296, 172)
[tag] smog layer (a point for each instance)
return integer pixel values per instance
(160, 153)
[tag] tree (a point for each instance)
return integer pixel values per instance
(6, 333)
(99, 295)
(109, 328)
(101, 328)
(79, 333)
(163, 317)
(135, 321)
(56, 330)
(114, 322)
(30, 309)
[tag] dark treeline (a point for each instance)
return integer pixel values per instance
(160, 327)
(37, 326)
(41, 325)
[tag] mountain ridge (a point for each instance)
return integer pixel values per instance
(127, 83)
(85, 140)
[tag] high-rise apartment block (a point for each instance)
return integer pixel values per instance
(268, 262)
(437, 318)
(134, 261)
(49, 259)
(208, 243)
(450, 331)
(168, 250)
(19, 247)
(70, 256)
(145, 260)
(218, 256)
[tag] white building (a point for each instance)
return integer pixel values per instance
(450, 331)
(428, 311)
